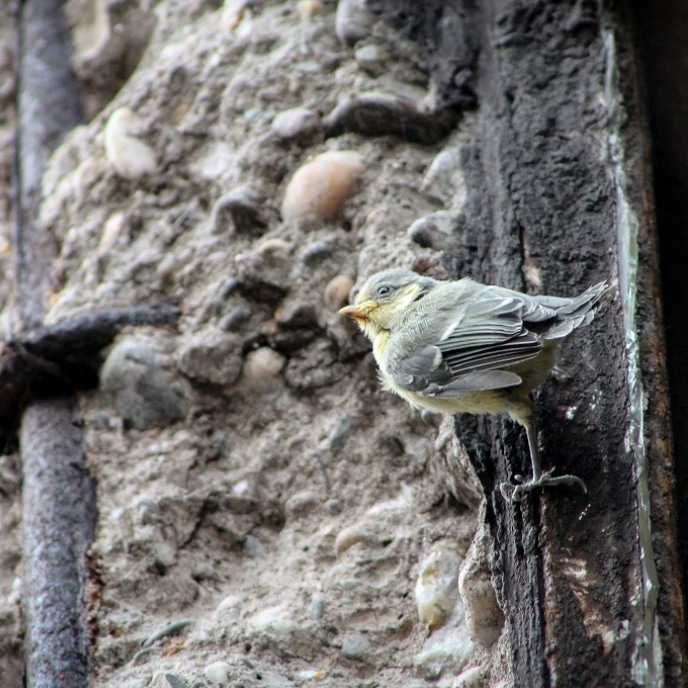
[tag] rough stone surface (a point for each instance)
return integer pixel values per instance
(282, 439)
(138, 387)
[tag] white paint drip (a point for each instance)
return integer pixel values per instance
(647, 656)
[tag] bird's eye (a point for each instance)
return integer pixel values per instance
(384, 290)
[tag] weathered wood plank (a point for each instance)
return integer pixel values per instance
(568, 183)
(560, 197)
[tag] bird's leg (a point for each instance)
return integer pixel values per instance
(516, 493)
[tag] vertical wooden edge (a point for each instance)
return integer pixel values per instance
(657, 420)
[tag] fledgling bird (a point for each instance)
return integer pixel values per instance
(465, 347)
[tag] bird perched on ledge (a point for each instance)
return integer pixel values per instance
(465, 347)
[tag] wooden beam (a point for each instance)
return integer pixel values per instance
(560, 197)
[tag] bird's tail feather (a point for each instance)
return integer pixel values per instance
(578, 311)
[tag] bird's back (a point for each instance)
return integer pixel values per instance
(550, 317)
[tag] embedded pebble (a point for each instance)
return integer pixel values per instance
(415, 447)
(300, 504)
(318, 190)
(237, 19)
(444, 178)
(274, 620)
(379, 114)
(450, 465)
(170, 629)
(355, 645)
(274, 249)
(229, 603)
(333, 507)
(484, 618)
(341, 432)
(253, 115)
(298, 124)
(371, 59)
(149, 512)
(262, 282)
(436, 587)
(307, 9)
(434, 231)
(471, 678)
(316, 252)
(296, 314)
(253, 547)
(446, 650)
(393, 509)
(167, 680)
(139, 388)
(218, 672)
(337, 292)
(211, 356)
(169, 267)
(235, 319)
(242, 488)
(131, 157)
(310, 674)
(262, 369)
(353, 21)
(243, 208)
(263, 272)
(123, 521)
(145, 501)
(352, 535)
(317, 607)
(228, 288)
(112, 229)
(425, 264)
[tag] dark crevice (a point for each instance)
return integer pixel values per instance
(662, 28)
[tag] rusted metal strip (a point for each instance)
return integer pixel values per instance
(59, 500)
(59, 518)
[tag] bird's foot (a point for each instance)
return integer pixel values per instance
(515, 493)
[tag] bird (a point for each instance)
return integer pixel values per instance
(465, 347)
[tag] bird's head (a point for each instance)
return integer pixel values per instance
(384, 297)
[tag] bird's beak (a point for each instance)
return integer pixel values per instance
(361, 312)
(352, 312)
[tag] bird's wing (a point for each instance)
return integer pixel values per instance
(471, 351)
(490, 335)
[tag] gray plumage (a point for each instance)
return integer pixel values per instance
(458, 337)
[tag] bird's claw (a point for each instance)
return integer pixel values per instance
(515, 493)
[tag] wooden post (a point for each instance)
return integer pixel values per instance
(561, 197)
(589, 585)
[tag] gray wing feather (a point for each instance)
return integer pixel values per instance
(575, 312)
(473, 382)
(422, 368)
(490, 335)
(486, 336)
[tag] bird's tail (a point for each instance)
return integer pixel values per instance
(575, 312)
